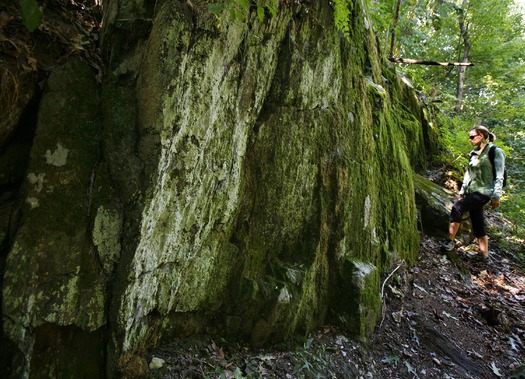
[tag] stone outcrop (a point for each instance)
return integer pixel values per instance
(54, 290)
(434, 204)
(252, 180)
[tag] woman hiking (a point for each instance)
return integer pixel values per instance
(480, 186)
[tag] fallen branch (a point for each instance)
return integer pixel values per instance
(386, 280)
(383, 307)
(429, 63)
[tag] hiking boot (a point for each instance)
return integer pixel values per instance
(448, 245)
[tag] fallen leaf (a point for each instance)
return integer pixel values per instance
(495, 370)
(391, 359)
(77, 47)
(397, 316)
(262, 371)
(410, 369)
(33, 63)
(420, 288)
(450, 316)
(216, 350)
(476, 354)
(513, 345)
(395, 291)
(484, 274)
(156, 363)
(415, 338)
(267, 357)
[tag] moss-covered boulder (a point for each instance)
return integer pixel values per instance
(253, 180)
(54, 291)
(282, 178)
(434, 204)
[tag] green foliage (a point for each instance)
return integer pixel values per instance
(31, 14)
(429, 30)
(342, 16)
(382, 14)
(455, 145)
(314, 362)
(513, 204)
(239, 9)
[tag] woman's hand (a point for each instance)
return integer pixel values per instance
(494, 203)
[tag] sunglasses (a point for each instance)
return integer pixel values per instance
(472, 137)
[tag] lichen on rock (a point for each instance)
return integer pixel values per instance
(107, 232)
(277, 149)
(52, 276)
(255, 180)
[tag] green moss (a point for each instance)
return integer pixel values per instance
(270, 148)
(313, 297)
(359, 305)
(107, 230)
(51, 273)
(264, 172)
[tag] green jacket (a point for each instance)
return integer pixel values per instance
(479, 177)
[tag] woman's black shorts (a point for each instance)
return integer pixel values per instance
(472, 203)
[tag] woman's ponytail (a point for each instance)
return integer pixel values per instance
(486, 133)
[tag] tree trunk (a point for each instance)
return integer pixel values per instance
(393, 31)
(463, 28)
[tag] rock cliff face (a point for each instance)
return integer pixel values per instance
(253, 180)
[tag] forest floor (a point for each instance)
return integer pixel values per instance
(448, 316)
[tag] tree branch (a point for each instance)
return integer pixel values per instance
(429, 63)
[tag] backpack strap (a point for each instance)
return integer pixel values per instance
(492, 153)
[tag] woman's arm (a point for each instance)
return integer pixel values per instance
(499, 166)
(466, 181)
